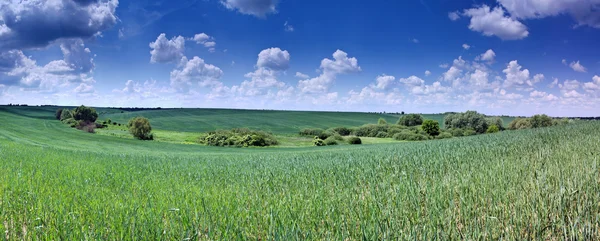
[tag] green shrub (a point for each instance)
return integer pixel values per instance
(457, 132)
(330, 141)
(337, 137)
(344, 131)
(496, 121)
(58, 114)
(410, 120)
(311, 132)
(381, 121)
(318, 142)
(444, 135)
(469, 132)
(140, 128)
(468, 120)
(66, 114)
(381, 134)
(493, 129)
(238, 137)
(354, 140)
(370, 130)
(431, 127)
(410, 136)
(538, 121)
(519, 124)
(86, 114)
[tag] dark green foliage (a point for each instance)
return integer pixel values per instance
(496, 121)
(114, 123)
(444, 135)
(410, 136)
(239, 137)
(410, 120)
(140, 128)
(330, 141)
(371, 130)
(353, 140)
(58, 114)
(467, 120)
(311, 132)
(493, 129)
(87, 114)
(538, 121)
(318, 142)
(431, 127)
(66, 114)
(343, 131)
(381, 134)
(381, 121)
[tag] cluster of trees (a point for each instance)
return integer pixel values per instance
(82, 118)
(238, 137)
(331, 136)
(471, 122)
(536, 121)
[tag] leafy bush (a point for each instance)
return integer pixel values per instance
(370, 130)
(337, 137)
(469, 132)
(496, 121)
(381, 134)
(318, 142)
(140, 128)
(354, 140)
(344, 131)
(431, 127)
(330, 141)
(86, 114)
(444, 135)
(381, 121)
(457, 132)
(493, 129)
(58, 113)
(538, 121)
(408, 135)
(468, 120)
(322, 134)
(239, 137)
(410, 120)
(66, 114)
(519, 124)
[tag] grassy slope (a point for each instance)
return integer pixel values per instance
(279, 122)
(59, 183)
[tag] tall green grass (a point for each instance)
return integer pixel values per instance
(540, 184)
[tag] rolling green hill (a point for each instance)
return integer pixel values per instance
(58, 183)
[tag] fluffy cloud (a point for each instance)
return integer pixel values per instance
(466, 46)
(569, 85)
(453, 16)
(577, 67)
(541, 95)
(383, 82)
(302, 76)
(205, 40)
(493, 22)
(274, 58)
(593, 86)
(427, 73)
(165, 50)
(517, 77)
(341, 64)
(585, 12)
(194, 71)
(77, 56)
(489, 56)
(412, 81)
(84, 88)
(258, 8)
(37, 23)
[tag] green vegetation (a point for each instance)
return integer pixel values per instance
(140, 128)
(86, 114)
(493, 129)
(381, 121)
(354, 140)
(411, 120)
(431, 127)
(470, 120)
(239, 137)
(534, 184)
(536, 121)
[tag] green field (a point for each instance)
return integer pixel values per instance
(58, 183)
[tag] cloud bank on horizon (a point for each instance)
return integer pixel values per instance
(514, 57)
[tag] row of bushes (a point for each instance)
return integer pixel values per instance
(335, 139)
(238, 137)
(536, 121)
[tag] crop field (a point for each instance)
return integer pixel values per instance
(58, 183)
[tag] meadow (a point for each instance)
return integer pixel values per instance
(58, 183)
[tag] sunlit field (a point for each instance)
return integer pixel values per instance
(58, 183)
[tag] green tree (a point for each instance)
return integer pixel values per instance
(84, 113)
(381, 121)
(467, 120)
(58, 113)
(66, 114)
(410, 120)
(140, 128)
(538, 121)
(431, 127)
(493, 129)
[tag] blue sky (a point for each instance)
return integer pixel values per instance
(515, 57)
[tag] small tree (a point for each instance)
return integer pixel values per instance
(431, 127)
(58, 113)
(85, 113)
(140, 128)
(410, 120)
(538, 121)
(493, 129)
(66, 114)
(381, 121)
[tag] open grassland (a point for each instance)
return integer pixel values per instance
(58, 183)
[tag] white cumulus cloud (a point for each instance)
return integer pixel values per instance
(165, 50)
(494, 22)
